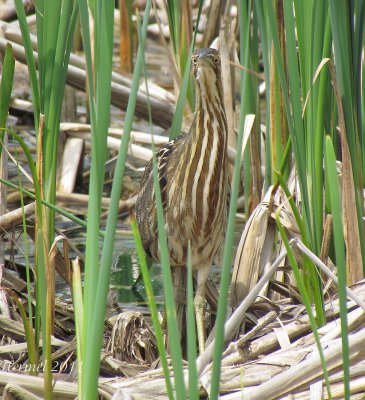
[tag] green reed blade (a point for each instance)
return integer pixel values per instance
(179, 112)
(97, 275)
(173, 14)
(292, 99)
(247, 90)
(339, 242)
(227, 264)
(265, 40)
(191, 332)
(59, 210)
(306, 299)
(28, 330)
(152, 306)
(6, 86)
(42, 321)
(32, 70)
(79, 317)
(170, 306)
(343, 21)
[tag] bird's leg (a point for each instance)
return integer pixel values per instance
(199, 304)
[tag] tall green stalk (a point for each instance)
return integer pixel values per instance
(97, 277)
(249, 95)
(348, 41)
(179, 18)
(227, 262)
(153, 308)
(42, 316)
(32, 70)
(99, 76)
(180, 105)
(56, 23)
(316, 30)
(333, 184)
(295, 79)
(55, 28)
(170, 305)
(6, 86)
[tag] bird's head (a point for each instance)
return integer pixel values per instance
(206, 64)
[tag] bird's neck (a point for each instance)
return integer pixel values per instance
(210, 123)
(202, 174)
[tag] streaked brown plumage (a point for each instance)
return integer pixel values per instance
(194, 183)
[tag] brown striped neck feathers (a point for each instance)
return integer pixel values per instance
(203, 173)
(210, 115)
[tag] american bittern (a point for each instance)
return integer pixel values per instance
(194, 183)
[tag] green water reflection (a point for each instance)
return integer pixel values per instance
(127, 280)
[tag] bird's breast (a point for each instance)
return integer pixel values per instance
(197, 212)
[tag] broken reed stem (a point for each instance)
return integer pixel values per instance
(300, 245)
(14, 217)
(236, 318)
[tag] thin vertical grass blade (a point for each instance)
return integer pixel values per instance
(51, 21)
(55, 27)
(320, 104)
(92, 251)
(173, 14)
(30, 59)
(264, 41)
(41, 297)
(306, 300)
(40, 267)
(28, 330)
(42, 321)
(292, 96)
(336, 209)
(170, 306)
(358, 11)
(62, 51)
(26, 257)
(63, 48)
(350, 219)
(247, 92)
(39, 10)
(96, 280)
(186, 31)
(179, 112)
(79, 318)
(152, 306)
(191, 332)
(6, 86)
(96, 289)
(343, 22)
(295, 120)
(227, 263)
